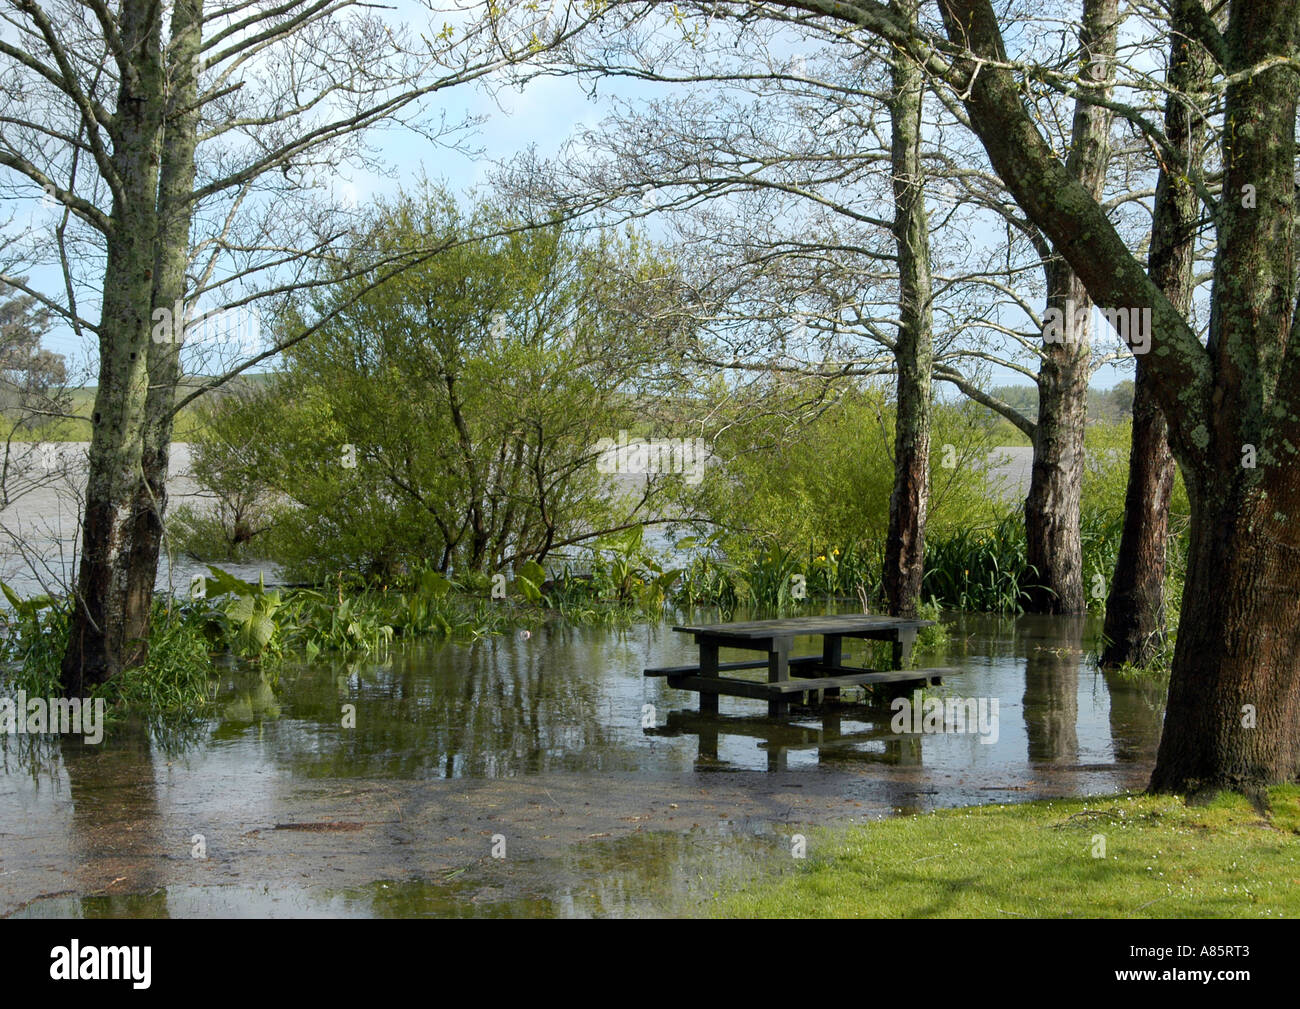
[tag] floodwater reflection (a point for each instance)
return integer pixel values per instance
(378, 787)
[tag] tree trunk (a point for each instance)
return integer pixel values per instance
(1052, 506)
(97, 638)
(1234, 697)
(171, 261)
(1052, 540)
(1135, 605)
(914, 352)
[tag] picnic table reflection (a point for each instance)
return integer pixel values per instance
(839, 734)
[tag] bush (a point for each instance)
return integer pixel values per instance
(447, 416)
(813, 500)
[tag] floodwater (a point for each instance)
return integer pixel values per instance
(539, 775)
(46, 480)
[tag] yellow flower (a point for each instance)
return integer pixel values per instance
(836, 551)
(821, 557)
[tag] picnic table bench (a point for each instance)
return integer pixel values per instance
(786, 675)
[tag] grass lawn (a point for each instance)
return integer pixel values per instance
(1163, 859)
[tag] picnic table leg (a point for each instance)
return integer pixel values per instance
(778, 671)
(707, 752)
(832, 655)
(905, 637)
(708, 668)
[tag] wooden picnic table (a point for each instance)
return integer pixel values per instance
(825, 673)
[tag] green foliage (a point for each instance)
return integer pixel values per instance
(529, 579)
(175, 679)
(976, 553)
(812, 499)
(243, 617)
(931, 640)
(33, 638)
(985, 569)
(446, 416)
(256, 624)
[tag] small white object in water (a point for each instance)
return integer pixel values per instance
(525, 635)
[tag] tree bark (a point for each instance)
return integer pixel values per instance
(1234, 697)
(97, 637)
(1135, 605)
(180, 142)
(914, 351)
(1052, 506)
(1053, 547)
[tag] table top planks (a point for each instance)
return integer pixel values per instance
(842, 623)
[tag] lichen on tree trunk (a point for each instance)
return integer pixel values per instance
(1053, 547)
(172, 257)
(97, 636)
(913, 350)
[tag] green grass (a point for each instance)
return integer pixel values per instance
(1163, 859)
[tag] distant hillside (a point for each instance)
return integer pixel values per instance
(76, 427)
(1105, 406)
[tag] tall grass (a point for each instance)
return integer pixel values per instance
(175, 679)
(987, 570)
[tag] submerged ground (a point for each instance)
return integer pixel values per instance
(538, 775)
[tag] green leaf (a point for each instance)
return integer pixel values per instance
(529, 589)
(14, 599)
(223, 583)
(241, 610)
(261, 630)
(433, 585)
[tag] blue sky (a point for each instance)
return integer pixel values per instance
(543, 114)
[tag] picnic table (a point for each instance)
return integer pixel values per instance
(788, 676)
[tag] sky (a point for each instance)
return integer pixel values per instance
(543, 115)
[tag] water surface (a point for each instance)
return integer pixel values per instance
(604, 791)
